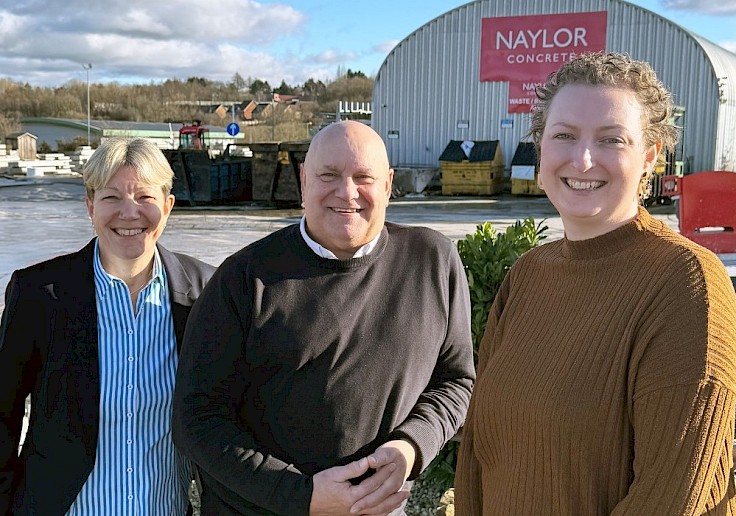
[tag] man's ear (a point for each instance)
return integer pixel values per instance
(302, 178)
(389, 183)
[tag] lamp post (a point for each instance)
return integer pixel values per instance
(87, 67)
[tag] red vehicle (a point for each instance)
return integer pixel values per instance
(194, 136)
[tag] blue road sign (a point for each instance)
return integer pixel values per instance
(233, 128)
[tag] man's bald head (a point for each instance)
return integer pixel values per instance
(346, 185)
(355, 134)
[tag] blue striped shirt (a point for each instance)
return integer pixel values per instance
(137, 469)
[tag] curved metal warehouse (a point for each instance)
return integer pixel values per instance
(428, 90)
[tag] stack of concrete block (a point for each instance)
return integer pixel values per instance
(53, 156)
(80, 156)
(6, 156)
(59, 164)
(61, 161)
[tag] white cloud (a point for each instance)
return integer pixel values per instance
(703, 6)
(217, 20)
(44, 43)
(386, 46)
(331, 56)
(12, 28)
(729, 45)
(140, 22)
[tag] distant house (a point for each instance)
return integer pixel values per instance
(255, 110)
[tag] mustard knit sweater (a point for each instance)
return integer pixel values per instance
(606, 382)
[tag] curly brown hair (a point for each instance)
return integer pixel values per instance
(616, 70)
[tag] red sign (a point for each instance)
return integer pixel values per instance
(524, 50)
(522, 96)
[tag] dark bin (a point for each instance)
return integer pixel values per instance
(265, 161)
(525, 170)
(232, 180)
(276, 171)
(192, 176)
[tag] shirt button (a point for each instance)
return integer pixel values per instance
(130, 332)
(130, 387)
(130, 359)
(130, 470)
(129, 441)
(130, 414)
(130, 497)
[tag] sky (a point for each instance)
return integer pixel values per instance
(50, 42)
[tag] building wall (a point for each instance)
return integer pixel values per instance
(51, 133)
(428, 86)
(166, 136)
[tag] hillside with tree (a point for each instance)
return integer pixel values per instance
(313, 103)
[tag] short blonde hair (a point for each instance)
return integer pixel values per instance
(141, 154)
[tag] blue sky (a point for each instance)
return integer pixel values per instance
(46, 42)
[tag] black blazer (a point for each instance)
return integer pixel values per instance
(48, 349)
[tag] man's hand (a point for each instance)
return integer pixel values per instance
(333, 494)
(392, 461)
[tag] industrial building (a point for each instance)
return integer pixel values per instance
(470, 74)
(166, 135)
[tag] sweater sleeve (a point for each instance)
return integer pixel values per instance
(468, 485)
(18, 370)
(211, 379)
(441, 409)
(683, 396)
(683, 452)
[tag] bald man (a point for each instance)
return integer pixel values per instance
(327, 364)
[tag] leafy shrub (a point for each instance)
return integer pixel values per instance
(70, 146)
(487, 256)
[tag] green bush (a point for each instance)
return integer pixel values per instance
(70, 146)
(487, 256)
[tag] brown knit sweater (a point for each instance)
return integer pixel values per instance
(606, 382)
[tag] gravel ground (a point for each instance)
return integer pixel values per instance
(425, 497)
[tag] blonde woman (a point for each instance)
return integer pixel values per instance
(93, 338)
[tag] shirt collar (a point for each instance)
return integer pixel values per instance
(104, 281)
(319, 250)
